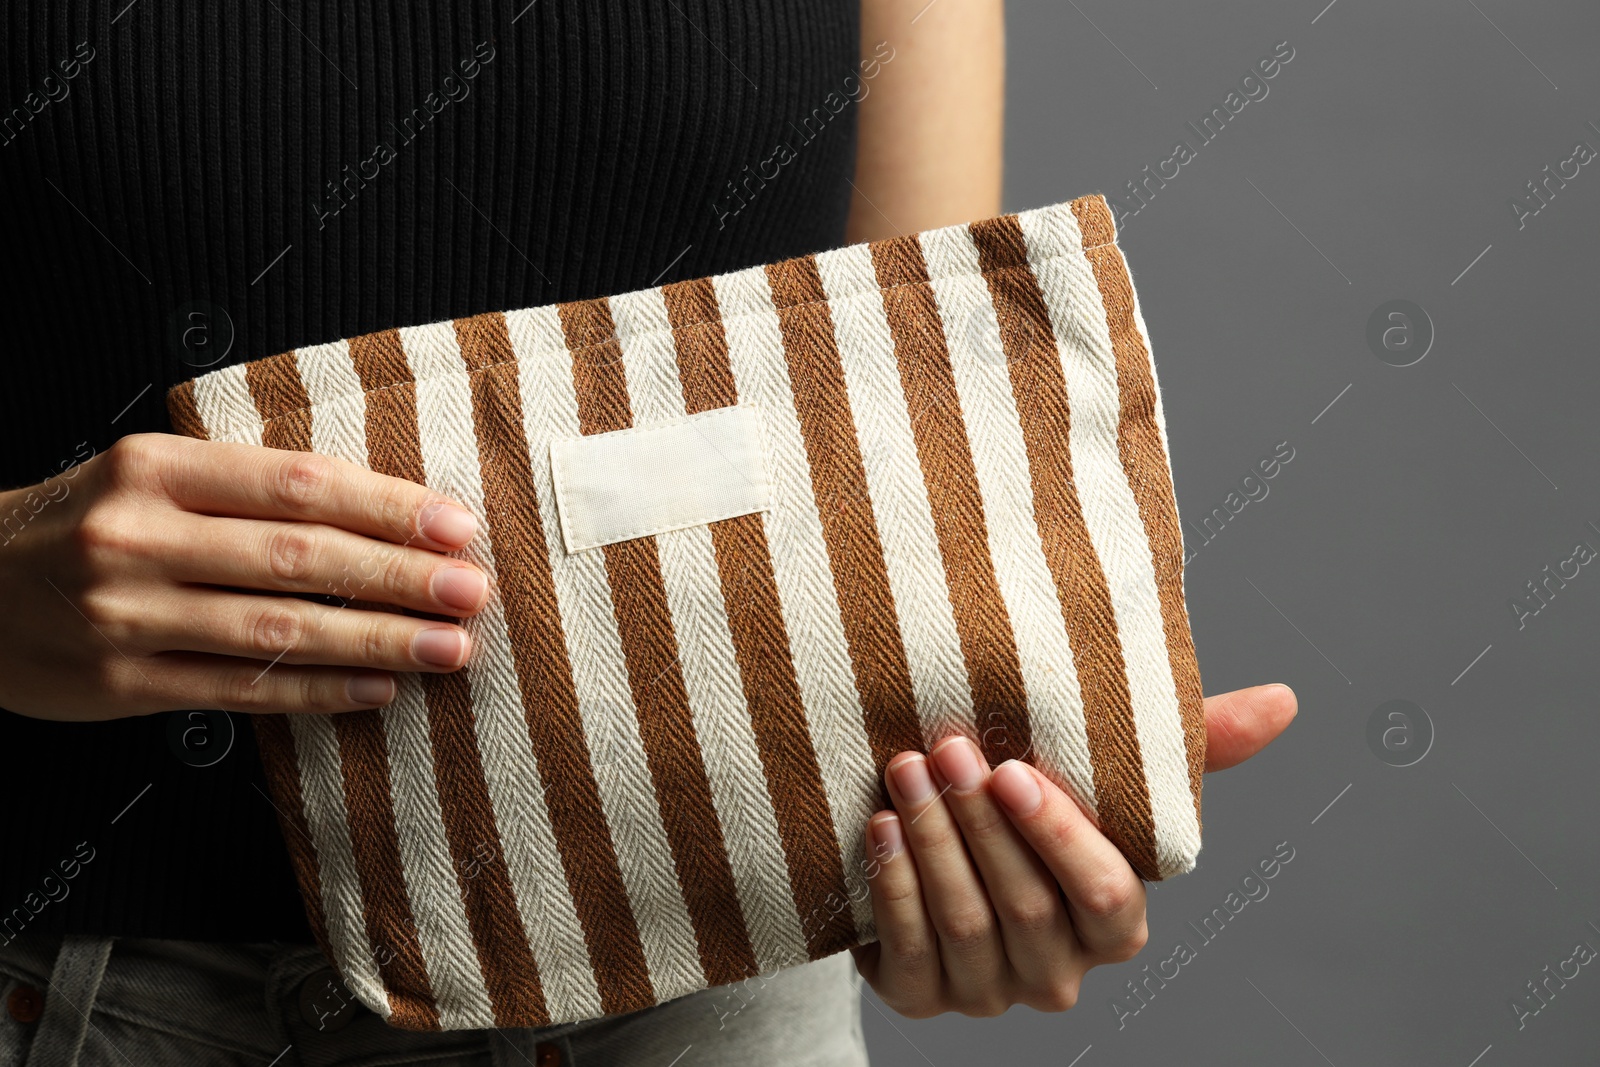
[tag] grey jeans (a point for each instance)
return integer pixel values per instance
(154, 1003)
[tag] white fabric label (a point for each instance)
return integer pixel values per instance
(659, 476)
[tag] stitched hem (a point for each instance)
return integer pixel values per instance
(223, 433)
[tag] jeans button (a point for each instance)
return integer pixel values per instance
(547, 1054)
(25, 1004)
(325, 1004)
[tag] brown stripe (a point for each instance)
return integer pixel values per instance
(409, 1008)
(281, 400)
(703, 364)
(655, 675)
(544, 674)
(183, 412)
(1145, 461)
(276, 389)
(391, 927)
(504, 957)
(1038, 385)
(761, 647)
(994, 672)
(275, 743)
(839, 482)
(393, 448)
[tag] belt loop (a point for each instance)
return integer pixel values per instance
(69, 1000)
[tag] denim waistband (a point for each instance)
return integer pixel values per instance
(160, 1003)
(72, 987)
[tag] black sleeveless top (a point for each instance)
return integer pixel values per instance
(190, 183)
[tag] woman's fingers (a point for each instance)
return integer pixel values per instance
(309, 557)
(1104, 895)
(958, 905)
(904, 965)
(290, 631)
(969, 879)
(1241, 723)
(1038, 935)
(220, 478)
(183, 681)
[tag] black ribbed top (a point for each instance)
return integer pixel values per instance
(190, 183)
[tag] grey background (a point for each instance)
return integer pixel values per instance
(1420, 903)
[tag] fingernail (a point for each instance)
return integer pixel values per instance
(440, 646)
(888, 840)
(447, 524)
(959, 763)
(462, 588)
(912, 779)
(1015, 787)
(375, 689)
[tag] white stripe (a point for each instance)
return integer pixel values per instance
(415, 804)
(338, 404)
(899, 495)
(429, 873)
(223, 400)
(316, 755)
(316, 746)
(805, 581)
(510, 769)
(1112, 517)
(599, 668)
(1046, 213)
(1000, 458)
(711, 675)
(434, 894)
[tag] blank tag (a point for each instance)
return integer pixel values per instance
(660, 476)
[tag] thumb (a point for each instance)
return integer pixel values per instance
(1241, 723)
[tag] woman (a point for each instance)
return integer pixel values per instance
(191, 185)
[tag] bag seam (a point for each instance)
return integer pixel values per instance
(225, 432)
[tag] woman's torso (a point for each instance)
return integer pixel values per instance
(189, 185)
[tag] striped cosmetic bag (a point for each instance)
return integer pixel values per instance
(750, 536)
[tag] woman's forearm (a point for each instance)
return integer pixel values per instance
(931, 125)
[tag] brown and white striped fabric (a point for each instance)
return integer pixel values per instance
(655, 772)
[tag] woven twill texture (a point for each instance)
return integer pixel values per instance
(655, 771)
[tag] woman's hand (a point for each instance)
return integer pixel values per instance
(992, 888)
(140, 587)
